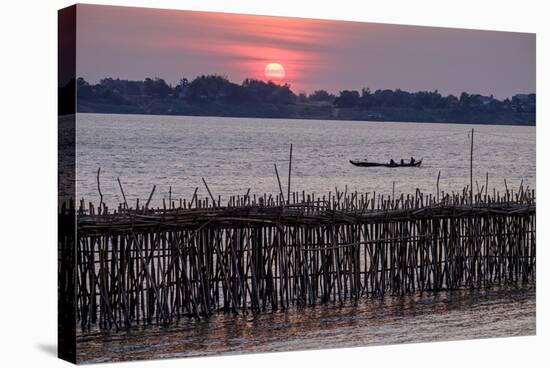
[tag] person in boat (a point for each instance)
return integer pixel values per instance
(402, 162)
(412, 160)
(392, 162)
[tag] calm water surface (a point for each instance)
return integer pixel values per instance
(452, 315)
(234, 154)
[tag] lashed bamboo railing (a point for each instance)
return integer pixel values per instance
(253, 254)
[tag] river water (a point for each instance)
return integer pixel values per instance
(234, 154)
(421, 317)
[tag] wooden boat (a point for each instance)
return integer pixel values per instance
(376, 164)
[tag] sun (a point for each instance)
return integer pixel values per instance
(274, 72)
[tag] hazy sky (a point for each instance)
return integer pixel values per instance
(134, 43)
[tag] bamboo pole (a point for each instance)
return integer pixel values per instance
(279, 182)
(289, 173)
(471, 168)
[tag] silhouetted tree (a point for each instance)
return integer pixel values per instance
(260, 91)
(208, 88)
(157, 88)
(302, 97)
(321, 95)
(181, 89)
(347, 99)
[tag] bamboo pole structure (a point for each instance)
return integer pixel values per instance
(140, 266)
(471, 169)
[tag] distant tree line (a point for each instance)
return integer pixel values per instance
(203, 89)
(433, 100)
(208, 94)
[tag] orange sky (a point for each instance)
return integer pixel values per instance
(135, 43)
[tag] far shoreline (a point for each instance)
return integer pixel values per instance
(533, 124)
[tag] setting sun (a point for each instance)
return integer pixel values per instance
(274, 71)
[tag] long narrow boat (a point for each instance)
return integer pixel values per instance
(376, 164)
